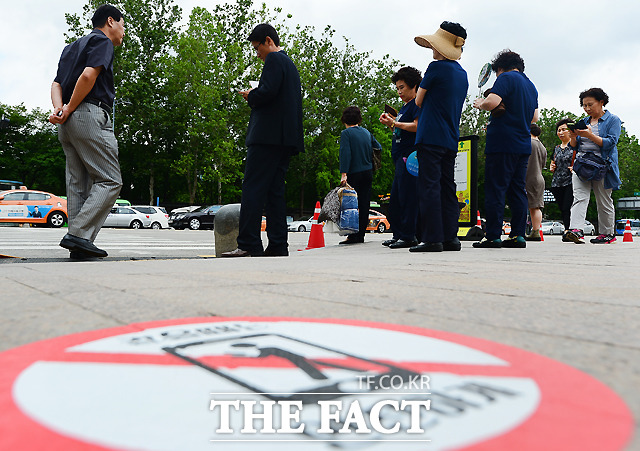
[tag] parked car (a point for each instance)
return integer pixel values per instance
(127, 217)
(589, 229)
(158, 215)
(621, 224)
(552, 228)
(303, 225)
(33, 207)
(377, 222)
(188, 209)
(200, 218)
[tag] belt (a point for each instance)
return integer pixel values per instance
(99, 103)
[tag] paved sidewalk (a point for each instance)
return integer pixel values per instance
(578, 304)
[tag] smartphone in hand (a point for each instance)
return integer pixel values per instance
(390, 111)
(580, 125)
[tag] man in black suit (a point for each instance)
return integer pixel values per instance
(274, 135)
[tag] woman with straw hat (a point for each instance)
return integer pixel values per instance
(441, 96)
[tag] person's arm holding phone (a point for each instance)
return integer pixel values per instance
(488, 103)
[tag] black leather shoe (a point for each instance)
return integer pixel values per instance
(352, 241)
(273, 253)
(453, 245)
(236, 253)
(74, 243)
(403, 244)
(427, 247)
(389, 242)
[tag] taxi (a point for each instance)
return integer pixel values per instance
(377, 222)
(32, 207)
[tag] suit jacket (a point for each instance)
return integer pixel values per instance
(276, 105)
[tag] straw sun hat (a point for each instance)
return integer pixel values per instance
(447, 44)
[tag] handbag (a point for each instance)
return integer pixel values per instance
(376, 155)
(330, 210)
(590, 167)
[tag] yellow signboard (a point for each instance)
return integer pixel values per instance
(466, 178)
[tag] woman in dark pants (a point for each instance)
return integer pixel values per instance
(356, 149)
(403, 206)
(561, 185)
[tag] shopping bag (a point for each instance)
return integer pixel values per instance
(349, 219)
(330, 210)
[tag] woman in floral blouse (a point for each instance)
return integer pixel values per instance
(561, 163)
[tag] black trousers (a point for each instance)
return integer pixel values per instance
(504, 176)
(403, 205)
(564, 199)
(439, 210)
(361, 182)
(263, 189)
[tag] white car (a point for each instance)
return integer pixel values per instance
(127, 217)
(303, 225)
(589, 229)
(552, 228)
(158, 215)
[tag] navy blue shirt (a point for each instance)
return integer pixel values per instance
(403, 141)
(356, 150)
(510, 132)
(446, 84)
(92, 50)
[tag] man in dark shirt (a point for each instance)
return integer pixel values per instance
(274, 134)
(507, 149)
(35, 213)
(82, 95)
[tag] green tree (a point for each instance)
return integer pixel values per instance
(629, 163)
(30, 151)
(208, 69)
(333, 78)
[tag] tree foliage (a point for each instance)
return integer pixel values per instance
(181, 123)
(30, 151)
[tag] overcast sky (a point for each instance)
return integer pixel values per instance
(567, 46)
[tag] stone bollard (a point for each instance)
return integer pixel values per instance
(225, 228)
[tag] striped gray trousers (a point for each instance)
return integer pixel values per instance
(93, 170)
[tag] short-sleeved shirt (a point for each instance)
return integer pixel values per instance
(563, 158)
(92, 50)
(510, 133)
(446, 84)
(403, 141)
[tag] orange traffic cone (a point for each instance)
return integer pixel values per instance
(316, 237)
(628, 236)
(541, 236)
(479, 221)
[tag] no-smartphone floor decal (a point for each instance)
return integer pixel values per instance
(293, 383)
